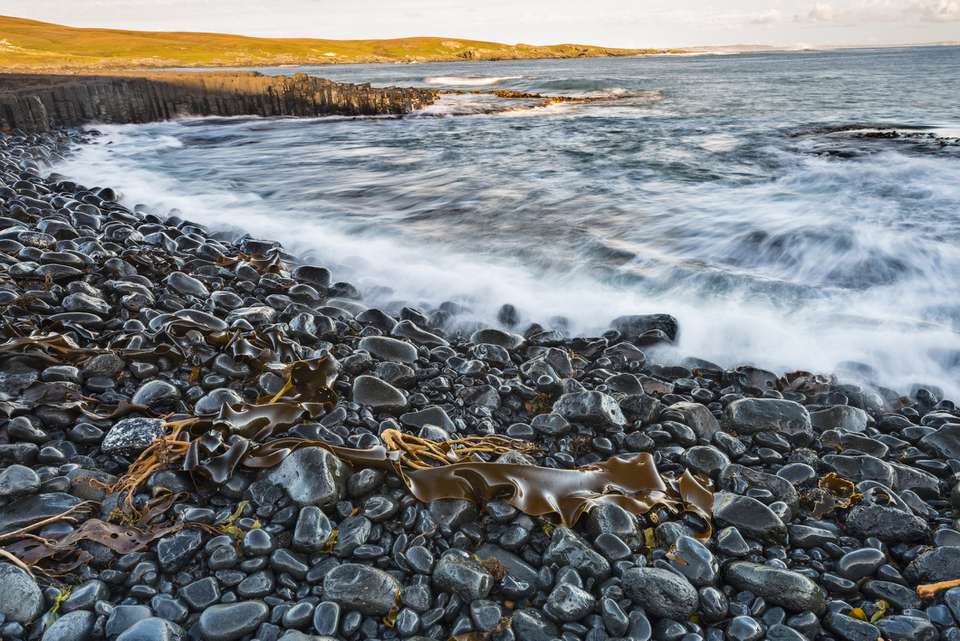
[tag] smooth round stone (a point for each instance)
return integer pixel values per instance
(186, 285)
(18, 480)
(157, 395)
(326, 618)
(378, 394)
(568, 603)
(212, 402)
(73, 626)
(797, 473)
(744, 628)
(389, 349)
(81, 302)
(228, 622)
(611, 546)
(420, 559)
(257, 542)
(85, 596)
(485, 614)
(298, 617)
(362, 588)
(695, 561)
(153, 629)
(20, 598)
(312, 530)
(705, 459)
(860, 563)
(313, 275)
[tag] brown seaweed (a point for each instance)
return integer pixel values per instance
(632, 482)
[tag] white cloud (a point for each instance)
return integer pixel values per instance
(937, 10)
(822, 12)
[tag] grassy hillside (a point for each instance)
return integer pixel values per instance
(29, 44)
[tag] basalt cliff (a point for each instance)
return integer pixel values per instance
(35, 103)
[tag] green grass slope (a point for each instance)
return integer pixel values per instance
(33, 45)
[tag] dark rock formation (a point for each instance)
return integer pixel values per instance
(37, 103)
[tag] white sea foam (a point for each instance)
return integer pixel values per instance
(879, 328)
(468, 81)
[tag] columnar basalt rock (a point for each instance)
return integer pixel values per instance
(37, 103)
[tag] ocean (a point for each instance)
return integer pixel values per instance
(792, 210)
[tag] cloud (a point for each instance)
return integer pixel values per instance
(765, 18)
(878, 11)
(936, 10)
(822, 12)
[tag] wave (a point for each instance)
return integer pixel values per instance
(890, 325)
(468, 81)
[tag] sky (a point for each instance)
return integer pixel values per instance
(622, 23)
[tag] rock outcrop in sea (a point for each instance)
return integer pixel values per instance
(35, 103)
(205, 436)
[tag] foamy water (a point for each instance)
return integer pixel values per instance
(751, 196)
(468, 81)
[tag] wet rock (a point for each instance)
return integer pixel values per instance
(18, 480)
(744, 628)
(362, 588)
(186, 285)
(73, 626)
(861, 468)
(907, 628)
(389, 349)
(20, 599)
(312, 530)
(700, 419)
(850, 629)
(748, 515)
(753, 415)
(785, 588)
(945, 442)
(531, 625)
(840, 417)
(661, 592)
(940, 564)
(888, 524)
(153, 629)
(132, 435)
(452, 514)
(566, 548)
(231, 621)
(569, 603)
(741, 479)
(24, 511)
(459, 573)
(158, 395)
(636, 327)
(860, 563)
(589, 408)
(176, 550)
(311, 476)
(378, 394)
(695, 561)
(123, 617)
(326, 618)
(85, 596)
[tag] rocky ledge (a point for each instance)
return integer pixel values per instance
(35, 103)
(205, 436)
